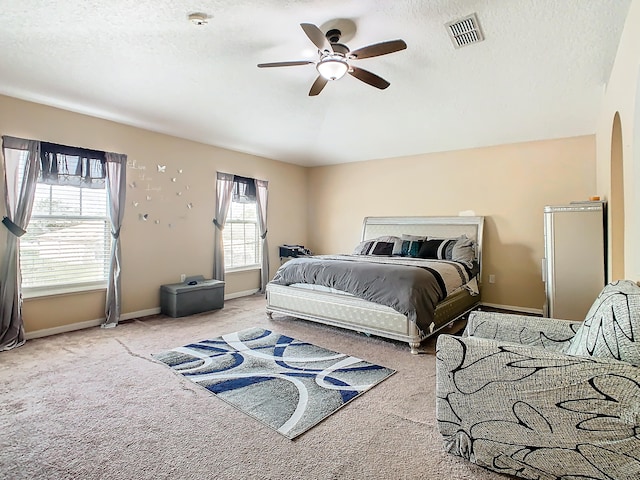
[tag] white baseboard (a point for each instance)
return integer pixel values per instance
(244, 293)
(537, 311)
(45, 332)
(140, 313)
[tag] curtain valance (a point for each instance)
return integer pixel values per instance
(244, 189)
(64, 165)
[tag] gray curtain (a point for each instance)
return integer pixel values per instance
(116, 172)
(261, 200)
(19, 193)
(224, 190)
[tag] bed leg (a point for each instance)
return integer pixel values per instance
(269, 314)
(414, 347)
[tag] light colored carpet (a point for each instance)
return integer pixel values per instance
(94, 404)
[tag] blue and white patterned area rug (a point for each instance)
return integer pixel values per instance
(287, 384)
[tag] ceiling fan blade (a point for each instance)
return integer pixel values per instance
(284, 64)
(377, 49)
(316, 36)
(317, 86)
(368, 77)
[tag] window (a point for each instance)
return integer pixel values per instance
(67, 246)
(241, 236)
(242, 245)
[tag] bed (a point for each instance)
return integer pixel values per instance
(338, 290)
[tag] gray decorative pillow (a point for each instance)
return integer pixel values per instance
(612, 325)
(437, 248)
(464, 251)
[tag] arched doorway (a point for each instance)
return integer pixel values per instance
(634, 228)
(616, 202)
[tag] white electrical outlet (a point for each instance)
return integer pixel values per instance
(492, 279)
(183, 276)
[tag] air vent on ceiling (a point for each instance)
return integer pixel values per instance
(465, 31)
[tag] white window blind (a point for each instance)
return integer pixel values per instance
(68, 240)
(242, 246)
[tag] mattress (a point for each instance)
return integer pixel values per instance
(411, 286)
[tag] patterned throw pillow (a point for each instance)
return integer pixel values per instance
(437, 248)
(612, 325)
(378, 246)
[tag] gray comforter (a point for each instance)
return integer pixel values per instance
(411, 290)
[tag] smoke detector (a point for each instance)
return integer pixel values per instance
(198, 19)
(465, 31)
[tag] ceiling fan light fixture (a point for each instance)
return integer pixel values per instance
(333, 67)
(334, 62)
(198, 18)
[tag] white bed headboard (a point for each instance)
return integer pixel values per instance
(441, 227)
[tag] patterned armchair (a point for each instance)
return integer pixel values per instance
(542, 398)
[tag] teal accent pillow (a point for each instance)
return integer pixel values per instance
(411, 245)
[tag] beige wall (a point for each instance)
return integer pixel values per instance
(154, 253)
(622, 96)
(508, 184)
(323, 207)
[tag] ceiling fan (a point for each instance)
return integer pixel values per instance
(335, 58)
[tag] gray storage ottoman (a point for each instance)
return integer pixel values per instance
(180, 299)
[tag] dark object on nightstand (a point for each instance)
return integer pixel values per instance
(293, 251)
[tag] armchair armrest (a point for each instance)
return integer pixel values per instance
(548, 333)
(535, 413)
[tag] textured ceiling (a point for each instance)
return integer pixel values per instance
(540, 73)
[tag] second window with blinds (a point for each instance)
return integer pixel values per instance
(241, 238)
